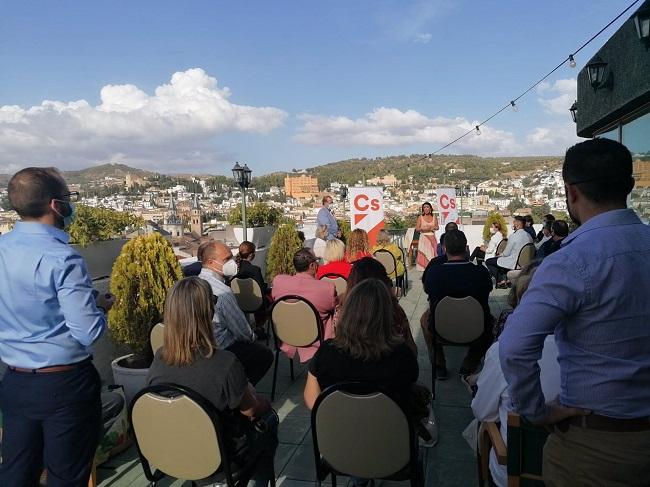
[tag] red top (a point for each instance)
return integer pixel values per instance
(341, 267)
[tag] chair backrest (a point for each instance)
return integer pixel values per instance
(340, 282)
(459, 320)
(176, 433)
(386, 259)
(248, 293)
(295, 321)
(502, 245)
(156, 336)
(525, 452)
(360, 431)
(526, 255)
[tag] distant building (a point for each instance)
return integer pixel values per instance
(301, 187)
(173, 222)
(196, 217)
(388, 180)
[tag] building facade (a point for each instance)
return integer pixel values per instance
(301, 187)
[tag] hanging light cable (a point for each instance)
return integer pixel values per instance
(478, 130)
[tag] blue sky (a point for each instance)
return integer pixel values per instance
(144, 83)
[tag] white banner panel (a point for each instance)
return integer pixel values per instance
(367, 210)
(447, 206)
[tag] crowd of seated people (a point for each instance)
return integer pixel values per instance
(483, 252)
(334, 257)
(559, 231)
(500, 264)
(384, 243)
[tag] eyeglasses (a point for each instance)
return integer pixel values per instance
(72, 196)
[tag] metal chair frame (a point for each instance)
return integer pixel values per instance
(402, 287)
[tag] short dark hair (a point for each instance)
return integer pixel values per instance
(601, 169)
(451, 226)
(519, 218)
(560, 228)
(368, 268)
(31, 190)
(529, 219)
(303, 258)
(455, 242)
(548, 224)
(549, 217)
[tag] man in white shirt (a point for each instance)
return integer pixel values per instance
(232, 331)
(507, 260)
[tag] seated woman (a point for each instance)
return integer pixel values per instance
(189, 357)
(357, 246)
(335, 262)
(384, 243)
(492, 401)
(490, 250)
(369, 268)
(247, 269)
(321, 241)
(366, 347)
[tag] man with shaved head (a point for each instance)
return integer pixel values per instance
(48, 320)
(232, 331)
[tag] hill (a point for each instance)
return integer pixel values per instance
(97, 173)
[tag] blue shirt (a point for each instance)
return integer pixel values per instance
(48, 314)
(594, 294)
(325, 217)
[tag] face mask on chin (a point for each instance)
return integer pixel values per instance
(69, 218)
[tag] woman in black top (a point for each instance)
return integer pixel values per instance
(247, 268)
(366, 347)
(189, 357)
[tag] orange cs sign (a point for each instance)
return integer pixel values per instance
(367, 210)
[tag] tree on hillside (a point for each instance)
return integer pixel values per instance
(515, 205)
(95, 224)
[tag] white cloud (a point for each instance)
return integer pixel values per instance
(385, 127)
(176, 125)
(422, 38)
(557, 98)
(390, 127)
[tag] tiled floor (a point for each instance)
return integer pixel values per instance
(450, 463)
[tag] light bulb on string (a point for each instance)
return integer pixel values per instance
(515, 108)
(478, 130)
(572, 62)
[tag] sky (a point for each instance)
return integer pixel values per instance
(194, 86)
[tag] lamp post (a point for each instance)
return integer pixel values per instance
(242, 177)
(344, 194)
(596, 72)
(574, 111)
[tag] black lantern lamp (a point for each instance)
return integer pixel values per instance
(574, 112)
(596, 71)
(642, 23)
(242, 177)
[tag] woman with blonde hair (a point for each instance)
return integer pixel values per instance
(425, 226)
(335, 262)
(384, 243)
(357, 246)
(189, 357)
(321, 241)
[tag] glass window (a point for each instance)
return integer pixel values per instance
(636, 137)
(612, 134)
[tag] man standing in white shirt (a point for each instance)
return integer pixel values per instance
(507, 260)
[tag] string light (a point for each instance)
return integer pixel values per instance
(512, 103)
(572, 62)
(515, 108)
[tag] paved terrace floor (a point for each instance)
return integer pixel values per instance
(450, 463)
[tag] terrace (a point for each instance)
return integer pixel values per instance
(450, 463)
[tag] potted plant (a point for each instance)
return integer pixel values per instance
(284, 245)
(143, 272)
(261, 221)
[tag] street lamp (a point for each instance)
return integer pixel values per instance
(574, 111)
(596, 72)
(642, 24)
(344, 194)
(242, 177)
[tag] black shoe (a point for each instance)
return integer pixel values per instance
(442, 373)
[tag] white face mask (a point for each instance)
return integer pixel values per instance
(493, 230)
(230, 268)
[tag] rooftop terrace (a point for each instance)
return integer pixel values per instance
(450, 463)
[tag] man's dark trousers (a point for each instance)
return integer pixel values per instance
(50, 419)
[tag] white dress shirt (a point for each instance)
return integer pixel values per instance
(510, 254)
(492, 401)
(492, 245)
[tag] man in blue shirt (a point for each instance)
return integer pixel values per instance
(594, 295)
(50, 395)
(326, 218)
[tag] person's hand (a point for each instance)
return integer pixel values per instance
(339, 234)
(105, 301)
(556, 413)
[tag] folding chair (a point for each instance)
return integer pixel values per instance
(180, 433)
(526, 255)
(362, 431)
(156, 336)
(501, 246)
(340, 282)
(387, 259)
(458, 322)
(249, 297)
(296, 322)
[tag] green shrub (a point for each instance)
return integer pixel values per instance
(95, 224)
(344, 226)
(284, 244)
(491, 218)
(257, 215)
(142, 274)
